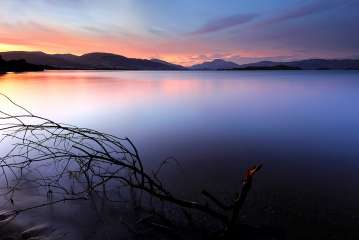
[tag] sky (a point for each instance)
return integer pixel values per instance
(184, 31)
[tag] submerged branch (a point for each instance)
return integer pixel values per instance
(71, 163)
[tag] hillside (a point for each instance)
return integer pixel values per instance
(216, 64)
(90, 61)
(18, 66)
(311, 64)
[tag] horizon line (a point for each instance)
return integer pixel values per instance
(206, 61)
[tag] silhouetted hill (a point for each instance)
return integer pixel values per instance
(90, 61)
(18, 66)
(40, 58)
(109, 61)
(113, 61)
(216, 64)
(169, 64)
(276, 67)
(311, 64)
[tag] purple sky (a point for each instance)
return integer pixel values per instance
(184, 31)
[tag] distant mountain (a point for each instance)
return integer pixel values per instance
(90, 61)
(311, 64)
(275, 67)
(168, 63)
(40, 58)
(216, 64)
(109, 61)
(18, 66)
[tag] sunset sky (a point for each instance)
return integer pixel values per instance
(184, 31)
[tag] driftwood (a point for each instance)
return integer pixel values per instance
(72, 163)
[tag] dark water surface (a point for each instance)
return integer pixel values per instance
(302, 125)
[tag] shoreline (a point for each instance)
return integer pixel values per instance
(189, 70)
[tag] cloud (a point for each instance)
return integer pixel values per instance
(307, 10)
(108, 31)
(57, 39)
(237, 57)
(244, 60)
(158, 31)
(224, 23)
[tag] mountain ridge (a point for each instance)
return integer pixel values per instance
(216, 64)
(111, 61)
(18, 66)
(88, 61)
(311, 64)
(168, 63)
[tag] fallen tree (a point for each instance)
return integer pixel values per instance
(69, 163)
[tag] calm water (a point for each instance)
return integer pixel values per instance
(302, 125)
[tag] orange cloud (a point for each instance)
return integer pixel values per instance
(31, 36)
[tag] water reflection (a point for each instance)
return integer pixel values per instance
(302, 125)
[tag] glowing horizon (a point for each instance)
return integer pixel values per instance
(184, 32)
